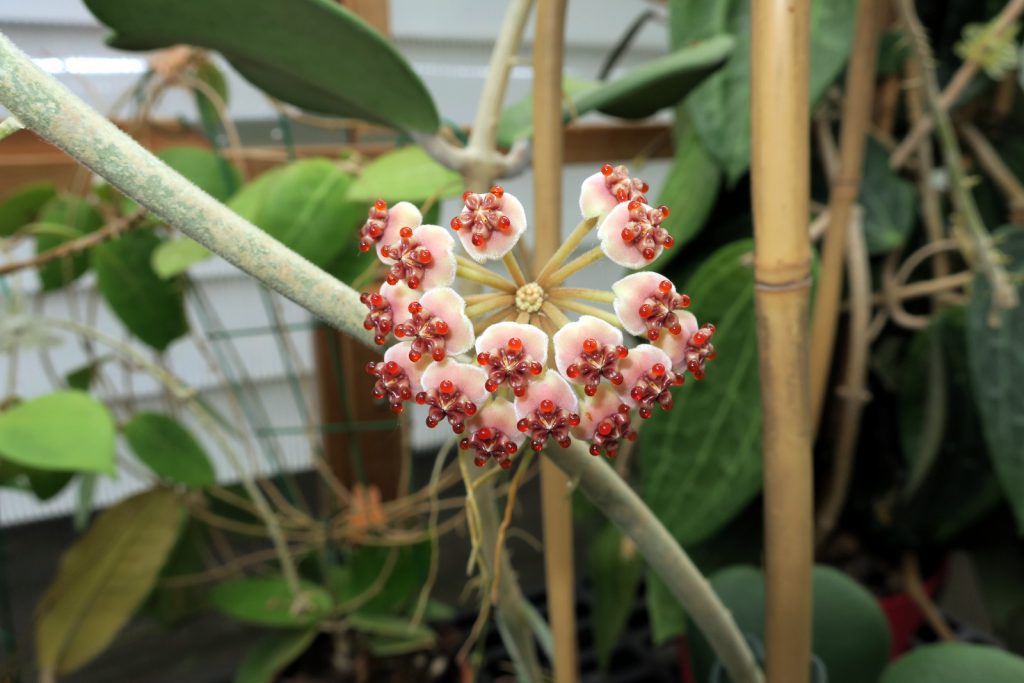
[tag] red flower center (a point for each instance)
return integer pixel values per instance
(381, 318)
(622, 187)
(373, 228)
(548, 421)
(699, 350)
(490, 443)
(653, 387)
(411, 260)
(392, 383)
(447, 402)
(644, 231)
(426, 332)
(509, 364)
(482, 215)
(657, 310)
(594, 362)
(609, 432)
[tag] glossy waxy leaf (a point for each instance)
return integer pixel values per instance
(103, 578)
(996, 361)
(615, 569)
(268, 601)
(305, 206)
(850, 634)
(23, 206)
(721, 105)
(64, 431)
(169, 449)
(642, 92)
(314, 54)
(272, 653)
(78, 217)
(151, 308)
(955, 663)
(406, 174)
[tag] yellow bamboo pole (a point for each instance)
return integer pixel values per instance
(556, 505)
(860, 82)
(780, 165)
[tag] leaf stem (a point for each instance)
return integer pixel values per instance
(579, 263)
(567, 247)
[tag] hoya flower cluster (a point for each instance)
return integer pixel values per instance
(510, 366)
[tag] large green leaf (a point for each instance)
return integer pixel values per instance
(64, 431)
(647, 89)
(151, 308)
(850, 631)
(406, 174)
(211, 172)
(174, 257)
(104, 578)
(996, 361)
(23, 206)
(43, 484)
(889, 202)
(699, 472)
(169, 449)
(690, 188)
(615, 569)
(721, 105)
(268, 601)
(305, 206)
(314, 54)
(271, 654)
(956, 663)
(80, 217)
(381, 580)
(950, 482)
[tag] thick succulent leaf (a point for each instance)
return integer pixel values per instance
(721, 105)
(305, 206)
(889, 202)
(615, 569)
(647, 89)
(23, 206)
(405, 174)
(850, 632)
(314, 54)
(996, 361)
(169, 449)
(64, 431)
(103, 578)
(272, 653)
(151, 308)
(268, 601)
(956, 663)
(80, 218)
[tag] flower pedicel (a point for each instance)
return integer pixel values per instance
(513, 391)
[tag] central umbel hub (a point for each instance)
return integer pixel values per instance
(530, 298)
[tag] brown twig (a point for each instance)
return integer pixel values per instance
(996, 169)
(961, 79)
(78, 245)
(916, 591)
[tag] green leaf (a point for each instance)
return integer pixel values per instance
(23, 206)
(271, 654)
(690, 189)
(171, 604)
(208, 73)
(955, 663)
(358, 584)
(43, 484)
(214, 174)
(305, 206)
(80, 218)
(152, 309)
(696, 491)
(889, 202)
(951, 482)
(64, 431)
(721, 105)
(850, 631)
(408, 174)
(169, 449)
(391, 636)
(174, 257)
(267, 601)
(655, 85)
(81, 378)
(314, 54)
(103, 578)
(998, 566)
(996, 361)
(615, 569)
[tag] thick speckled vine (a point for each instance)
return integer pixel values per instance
(511, 390)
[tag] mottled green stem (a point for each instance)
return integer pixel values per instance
(9, 126)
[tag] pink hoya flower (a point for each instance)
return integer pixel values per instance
(490, 224)
(453, 391)
(589, 350)
(422, 257)
(590, 384)
(382, 225)
(437, 325)
(548, 411)
(608, 188)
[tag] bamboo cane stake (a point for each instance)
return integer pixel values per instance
(556, 503)
(780, 164)
(857, 107)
